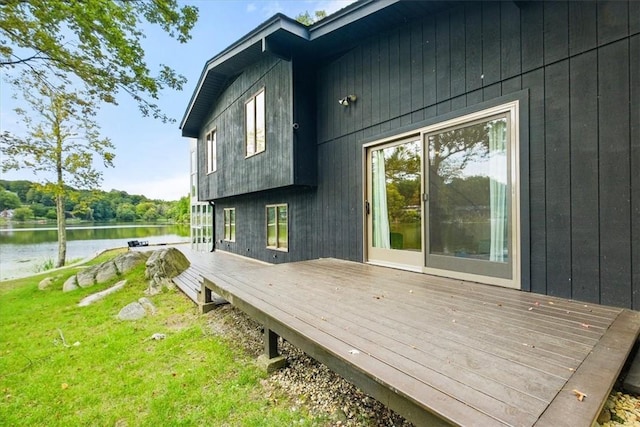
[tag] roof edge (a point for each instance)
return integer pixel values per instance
(278, 22)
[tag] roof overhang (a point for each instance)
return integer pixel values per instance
(284, 37)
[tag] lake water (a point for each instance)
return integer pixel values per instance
(24, 249)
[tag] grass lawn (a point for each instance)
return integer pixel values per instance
(112, 373)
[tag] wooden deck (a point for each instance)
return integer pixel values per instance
(437, 351)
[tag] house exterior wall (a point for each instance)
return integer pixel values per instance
(578, 63)
(270, 169)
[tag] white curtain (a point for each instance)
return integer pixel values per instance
(381, 232)
(498, 189)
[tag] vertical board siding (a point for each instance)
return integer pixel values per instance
(585, 232)
(583, 190)
(634, 115)
(558, 181)
(615, 221)
(510, 40)
(613, 21)
(270, 169)
(582, 26)
(556, 35)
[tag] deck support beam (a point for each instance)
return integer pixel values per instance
(207, 300)
(271, 360)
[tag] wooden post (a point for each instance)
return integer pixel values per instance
(271, 359)
(270, 343)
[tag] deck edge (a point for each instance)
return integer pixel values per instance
(595, 377)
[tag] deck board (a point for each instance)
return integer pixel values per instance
(471, 354)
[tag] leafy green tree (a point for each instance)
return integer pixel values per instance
(150, 214)
(126, 212)
(143, 207)
(9, 200)
(61, 144)
(97, 42)
(306, 18)
(22, 214)
(39, 210)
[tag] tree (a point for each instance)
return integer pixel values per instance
(126, 212)
(23, 214)
(9, 200)
(306, 18)
(97, 41)
(61, 144)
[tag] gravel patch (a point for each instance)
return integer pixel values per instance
(314, 387)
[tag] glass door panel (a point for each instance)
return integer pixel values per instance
(394, 197)
(469, 193)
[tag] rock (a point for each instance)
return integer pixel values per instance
(106, 271)
(162, 265)
(129, 260)
(158, 336)
(133, 311)
(147, 305)
(87, 277)
(45, 283)
(71, 284)
(100, 295)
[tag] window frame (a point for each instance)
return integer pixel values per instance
(229, 224)
(251, 138)
(212, 150)
(279, 246)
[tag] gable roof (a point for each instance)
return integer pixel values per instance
(285, 37)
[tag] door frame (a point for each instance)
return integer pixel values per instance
(516, 105)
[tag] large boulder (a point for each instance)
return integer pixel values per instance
(100, 295)
(71, 284)
(162, 266)
(127, 261)
(106, 271)
(133, 311)
(87, 277)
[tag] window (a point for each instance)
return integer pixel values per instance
(278, 227)
(194, 174)
(212, 155)
(230, 224)
(255, 124)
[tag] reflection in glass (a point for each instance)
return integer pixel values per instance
(395, 200)
(271, 226)
(260, 122)
(251, 127)
(283, 231)
(468, 192)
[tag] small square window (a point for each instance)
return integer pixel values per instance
(278, 227)
(230, 224)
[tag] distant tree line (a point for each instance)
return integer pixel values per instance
(31, 201)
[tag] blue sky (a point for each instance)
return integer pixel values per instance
(152, 158)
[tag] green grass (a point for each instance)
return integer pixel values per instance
(116, 374)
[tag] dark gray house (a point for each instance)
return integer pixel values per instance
(496, 142)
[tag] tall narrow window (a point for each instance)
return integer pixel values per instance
(212, 155)
(255, 124)
(230, 224)
(278, 227)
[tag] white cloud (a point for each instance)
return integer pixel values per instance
(251, 7)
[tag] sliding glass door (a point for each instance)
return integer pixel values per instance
(469, 198)
(394, 204)
(444, 199)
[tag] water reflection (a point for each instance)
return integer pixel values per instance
(22, 250)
